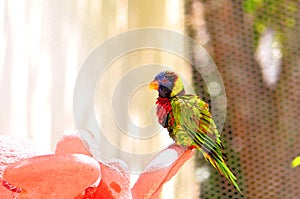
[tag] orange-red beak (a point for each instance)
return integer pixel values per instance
(154, 85)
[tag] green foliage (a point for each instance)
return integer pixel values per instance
(250, 6)
(296, 162)
(279, 15)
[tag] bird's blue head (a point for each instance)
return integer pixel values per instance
(168, 84)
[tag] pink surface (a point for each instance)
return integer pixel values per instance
(5, 193)
(70, 142)
(160, 170)
(115, 179)
(53, 176)
(13, 150)
(68, 174)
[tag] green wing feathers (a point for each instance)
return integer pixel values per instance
(192, 118)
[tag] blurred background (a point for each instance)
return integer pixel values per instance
(254, 43)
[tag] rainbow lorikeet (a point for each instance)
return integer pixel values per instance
(189, 121)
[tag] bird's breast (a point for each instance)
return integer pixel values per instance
(164, 112)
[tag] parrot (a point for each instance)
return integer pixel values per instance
(189, 121)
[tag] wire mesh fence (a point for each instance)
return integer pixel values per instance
(261, 132)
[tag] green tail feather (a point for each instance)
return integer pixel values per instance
(223, 170)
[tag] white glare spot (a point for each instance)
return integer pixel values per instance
(269, 55)
(202, 174)
(214, 88)
(164, 159)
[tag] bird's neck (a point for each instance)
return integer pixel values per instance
(179, 93)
